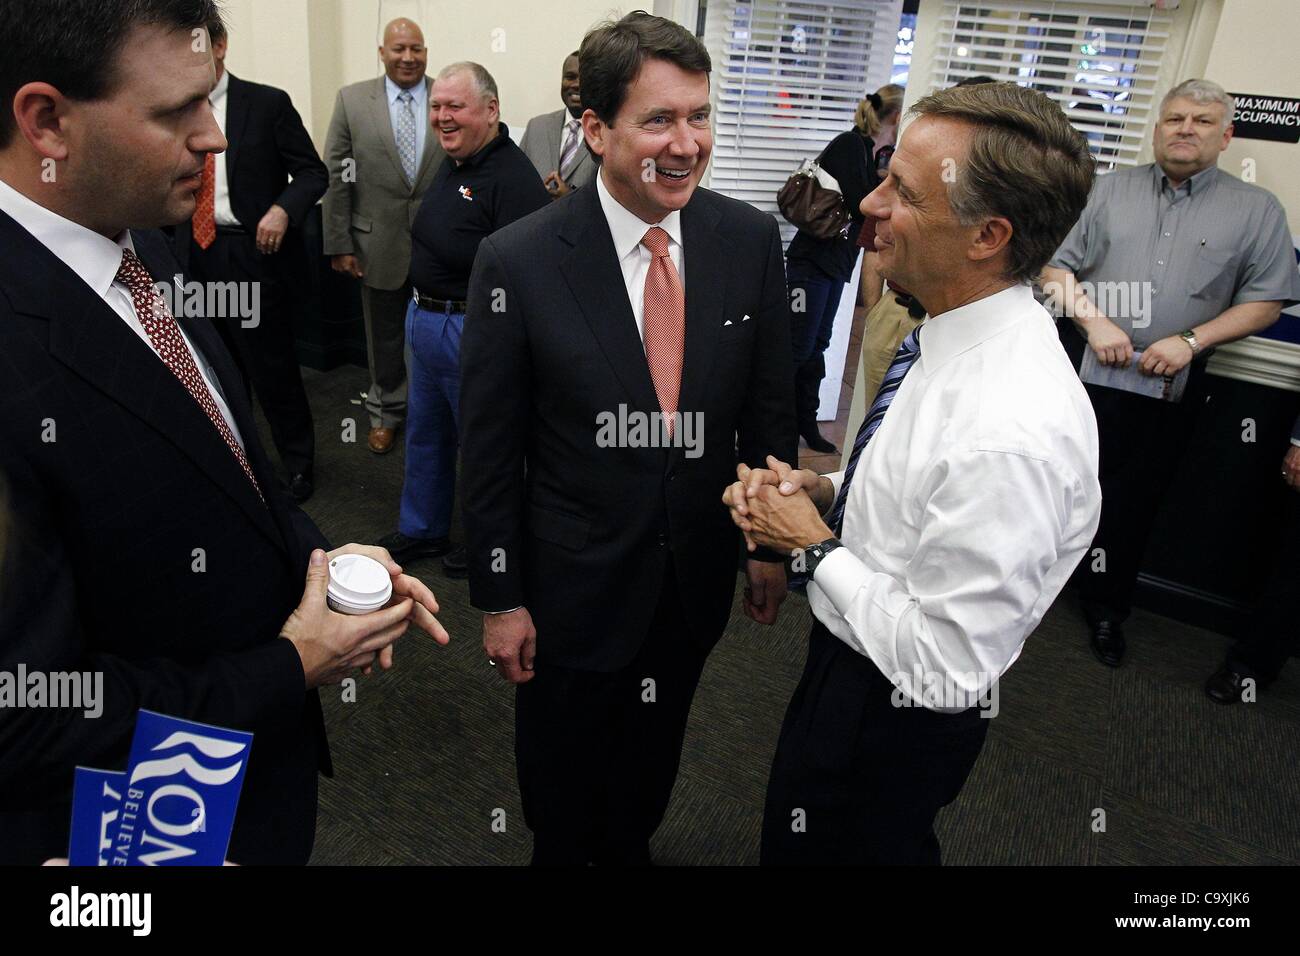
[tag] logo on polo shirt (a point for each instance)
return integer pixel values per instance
(466, 193)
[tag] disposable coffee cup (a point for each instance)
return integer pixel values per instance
(358, 584)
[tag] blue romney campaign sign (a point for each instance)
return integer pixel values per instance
(182, 790)
(96, 803)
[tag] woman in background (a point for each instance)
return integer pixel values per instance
(819, 268)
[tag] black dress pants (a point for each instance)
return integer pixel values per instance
(1269, 635)
(856, 780)
(264, 351)
(597, 753)
(1142, 441)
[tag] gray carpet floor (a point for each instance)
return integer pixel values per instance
(1083, 764)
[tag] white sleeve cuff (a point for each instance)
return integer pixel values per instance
(840, 575)
(837, 479)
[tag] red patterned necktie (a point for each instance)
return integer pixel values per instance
(665, 323)
(205, 213)
(166, 337)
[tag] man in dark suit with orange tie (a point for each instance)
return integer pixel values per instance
(248, 218)
(619, 347)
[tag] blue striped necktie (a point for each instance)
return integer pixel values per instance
(906, 356)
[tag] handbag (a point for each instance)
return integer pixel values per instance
(812, 201)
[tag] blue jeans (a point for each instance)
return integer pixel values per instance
(432, 420)
(810, 329)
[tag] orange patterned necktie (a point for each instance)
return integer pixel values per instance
(205, 215)
(665, 323)
(165, 334)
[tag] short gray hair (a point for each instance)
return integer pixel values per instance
(483, 82)
(1202, 92)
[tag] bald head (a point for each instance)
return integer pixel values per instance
(403, 53)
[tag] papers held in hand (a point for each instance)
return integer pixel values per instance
(1128, 378)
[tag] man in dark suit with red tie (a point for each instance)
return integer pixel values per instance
(150, 546)
(251, 207)
(619, 348)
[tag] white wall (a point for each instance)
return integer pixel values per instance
(311, 48)
(1256, 49)
(269, 43)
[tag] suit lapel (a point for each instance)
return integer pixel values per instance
(555, 133)
(557, 128)
(384, 125)
(584, 157)
(203, 442)
(237, 108)
(384, 120)
(592, 272)
(93, 342)
(430, 144)
(706, 271)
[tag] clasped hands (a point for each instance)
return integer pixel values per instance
(1112, 345)
(779, 507)
(331, 645)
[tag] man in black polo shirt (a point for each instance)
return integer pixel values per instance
(485, 183)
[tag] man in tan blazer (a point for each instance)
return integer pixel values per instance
(381, 157)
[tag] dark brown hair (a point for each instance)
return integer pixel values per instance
(1026, 163)
(612, 54)
(73, 44)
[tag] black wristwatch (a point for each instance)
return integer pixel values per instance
(815, 554)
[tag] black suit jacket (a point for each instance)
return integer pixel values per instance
(140, 550)
(268, 145)
(550, 343)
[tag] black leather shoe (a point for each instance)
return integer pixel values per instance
(405, 549)
(1225, 685)
(814, 440)
(456, 564)
(300, 488)
(1108, 643)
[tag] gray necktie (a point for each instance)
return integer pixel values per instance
(569, 154)
(406, 134)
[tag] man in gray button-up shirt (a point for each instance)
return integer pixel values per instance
(1168, 260)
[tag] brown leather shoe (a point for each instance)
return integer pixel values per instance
(381, 440)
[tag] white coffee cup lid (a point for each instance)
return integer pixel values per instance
(359, 582)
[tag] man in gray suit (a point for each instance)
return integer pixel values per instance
(554, 141)
(381, 160)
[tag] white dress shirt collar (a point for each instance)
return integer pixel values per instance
(219, 91)
(947, 335)
(394, 91)
(94, 257)
(628, 229)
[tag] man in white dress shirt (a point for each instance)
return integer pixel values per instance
(961, 512)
